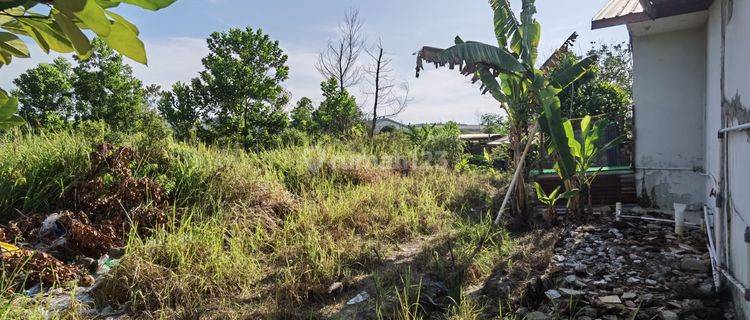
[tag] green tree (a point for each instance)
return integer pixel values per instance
(604, 92)
(59, 27)
(45, 93)
(302, 115)
(615, 64)
(180, 107)
(105, 89)
(338, 114)
(244, 99)
(151, 95)
(526, 92)
(494, 123)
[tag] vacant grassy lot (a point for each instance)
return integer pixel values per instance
(259, 235)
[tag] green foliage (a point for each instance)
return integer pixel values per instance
(241, 89)
(106, 89)
(555, 196)
(302, 115)
(8, 108)
(181, 107)
(615, 64)
(510, 74)
(338, 113)
(494, 124)
(292, 136)
(58, 95)
(605, 91)
(60, 29)
(583, 147)
(45, 93)
(441, 143)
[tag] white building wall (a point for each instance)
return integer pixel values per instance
(669, 93)
(736, 100)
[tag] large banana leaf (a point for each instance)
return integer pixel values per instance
(531, 32)
(555, 128)
(566, 77)
(506, 25)
(490, 84)
(469, 55)
(554, 59)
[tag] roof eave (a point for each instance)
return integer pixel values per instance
(661, 9)
(616, 21)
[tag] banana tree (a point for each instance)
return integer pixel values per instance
(585, 149)
(550, 200)
(509, 72)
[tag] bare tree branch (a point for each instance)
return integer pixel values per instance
(390, 99)
(340, 59)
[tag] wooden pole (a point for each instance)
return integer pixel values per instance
(517, 174)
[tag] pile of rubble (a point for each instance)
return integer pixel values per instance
(86, 230)
(630, 270)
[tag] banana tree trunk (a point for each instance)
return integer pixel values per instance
(519, 204)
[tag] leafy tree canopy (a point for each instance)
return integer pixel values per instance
(180, 107)
(45, 93)
(105, 89)
(302, 115)
(338, 114)
(494, 123)
(238, 99)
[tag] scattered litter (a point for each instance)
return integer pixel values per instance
(7, 248)
(553, 294)
(359, 298)
(85, 236)
(335, 287)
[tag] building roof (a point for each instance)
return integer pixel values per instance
(479, 136)
(618, 12)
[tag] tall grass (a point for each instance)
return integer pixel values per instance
(36, 169)
(254, 235)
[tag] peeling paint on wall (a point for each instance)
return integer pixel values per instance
(735, 112)
(662, 189)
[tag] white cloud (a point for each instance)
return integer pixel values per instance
(171, 60)
(445, 95)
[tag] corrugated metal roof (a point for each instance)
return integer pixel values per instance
(618, 12)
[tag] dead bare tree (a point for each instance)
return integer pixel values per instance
(340, 59)
(390, 99)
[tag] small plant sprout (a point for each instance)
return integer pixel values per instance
(551, 200)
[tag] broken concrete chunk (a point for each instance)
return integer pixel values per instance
(669, 315)
(571, 279)
(610, 300)
(571, 292)
(536, 315)
(694, 265)
(628, 295)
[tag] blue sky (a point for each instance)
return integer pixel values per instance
(175, 40)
